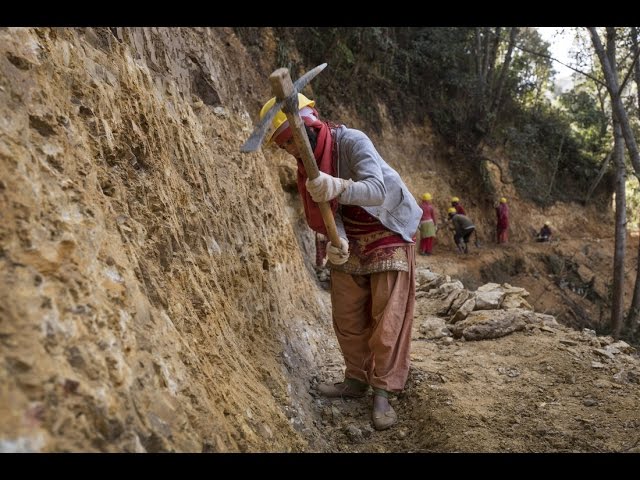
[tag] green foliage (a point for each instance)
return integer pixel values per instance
(583, 108)
(547, 159)
(589, 121)
(413, 71)
(531, 75)
(455, 76)
(633, 203)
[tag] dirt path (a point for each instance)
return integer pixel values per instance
(545, 389)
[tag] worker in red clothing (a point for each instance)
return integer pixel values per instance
(502, 225)
(427, 225)
(455, 203)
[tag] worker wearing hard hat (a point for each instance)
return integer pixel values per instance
(455, 203)
(372, 270)
(427, 225)
(463, 228)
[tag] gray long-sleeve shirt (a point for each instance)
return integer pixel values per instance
(377, 187)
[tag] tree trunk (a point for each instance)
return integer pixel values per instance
(487, 51)
(617, 300)
(479, 54)
(601, 91)
(635, 51)
(608, 60)
(620, 117)
(595, 183)
(493, 54)
(504, 70)
(633, 318)
(555, 168)
(617, 307)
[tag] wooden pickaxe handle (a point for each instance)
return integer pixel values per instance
(282, 88)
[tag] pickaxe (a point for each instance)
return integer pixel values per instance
(286, 94)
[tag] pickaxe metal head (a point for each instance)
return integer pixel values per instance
(257, 137)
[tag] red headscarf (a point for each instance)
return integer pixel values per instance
(324, 155)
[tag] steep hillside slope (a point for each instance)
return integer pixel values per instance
(152, 293)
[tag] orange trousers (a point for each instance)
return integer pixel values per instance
(372, 318)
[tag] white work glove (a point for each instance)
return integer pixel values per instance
(338, 255)
(325, 187)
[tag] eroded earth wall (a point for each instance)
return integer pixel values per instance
(152, 293)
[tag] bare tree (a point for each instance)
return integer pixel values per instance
(633, 318)
(621, 129)
(491, 76)
(497, 98)
(617, 297)
(487, 44)
(613, 86)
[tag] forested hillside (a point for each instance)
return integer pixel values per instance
(481, 89)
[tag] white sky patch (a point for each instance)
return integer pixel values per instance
(561, 41)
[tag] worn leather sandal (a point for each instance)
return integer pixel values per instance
(384, 420)
(343, 389)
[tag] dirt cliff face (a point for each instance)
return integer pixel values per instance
(153, 297)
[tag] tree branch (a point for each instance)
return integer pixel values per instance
(631, 69)
(619, 113)
(603, 169)
(544, 55)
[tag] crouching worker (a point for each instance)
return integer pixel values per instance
(463, 227)
(545, 233)
(372, 270)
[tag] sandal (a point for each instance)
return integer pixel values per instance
(384, 420)
(349, 388)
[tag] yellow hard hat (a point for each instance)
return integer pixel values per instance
(426, 196)
(452, 210)
(547, 223)
(280, 117)
(455, 199)
(503, 200)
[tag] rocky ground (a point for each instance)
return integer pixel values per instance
(538, 386)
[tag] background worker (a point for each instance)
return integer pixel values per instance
(463, 227)
(545, 233)
(455, 203)
(427, 225)
(502, 224)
